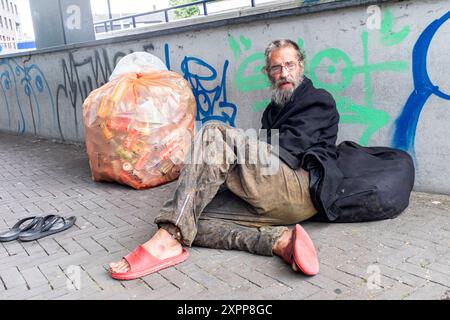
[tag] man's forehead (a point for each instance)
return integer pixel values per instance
(283, 55)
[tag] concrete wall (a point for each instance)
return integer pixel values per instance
(388, 74)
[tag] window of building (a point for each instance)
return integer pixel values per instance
(7, 5)
(15, 8)
(1, 22)
(10, 24)
(3, 4)
(6, 23)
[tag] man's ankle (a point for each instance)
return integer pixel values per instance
(166, 239)
(281, 243)
(170, 230)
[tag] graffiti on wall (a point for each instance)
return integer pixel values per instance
(424, 88)
(79, 77)
(24, 83)
(327, 64)
(212, 103)
(212, 100)
(249, 76)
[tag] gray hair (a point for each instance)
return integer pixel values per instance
(283, 43)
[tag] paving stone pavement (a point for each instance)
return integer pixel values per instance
(405, 258)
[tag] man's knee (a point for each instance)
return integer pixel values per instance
(214, 126)
(213, 131)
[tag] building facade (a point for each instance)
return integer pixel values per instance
(10, 26)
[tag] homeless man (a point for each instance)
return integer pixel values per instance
(316, 180)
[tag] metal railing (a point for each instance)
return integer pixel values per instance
(109, 24)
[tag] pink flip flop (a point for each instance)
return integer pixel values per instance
(142, 263)
(301, 251)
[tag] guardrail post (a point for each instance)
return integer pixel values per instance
(205, 11)
(166, 15)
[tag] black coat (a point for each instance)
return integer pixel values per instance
(348, 183)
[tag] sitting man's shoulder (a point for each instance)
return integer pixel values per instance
(314, 95)
(319, 95)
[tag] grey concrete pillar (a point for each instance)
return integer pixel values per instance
(61, 22)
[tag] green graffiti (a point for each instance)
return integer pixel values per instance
(235, 47)
(352, 113)
(388, 37)
(335, 56)
(254, 80)
(246, 42)
(337, 64)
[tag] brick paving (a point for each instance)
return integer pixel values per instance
(405, 258)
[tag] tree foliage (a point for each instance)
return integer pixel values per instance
(184, 12)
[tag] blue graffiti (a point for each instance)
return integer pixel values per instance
(34, 85)
(6, 85)
(406, 124)
(167, 56)
(208, 98)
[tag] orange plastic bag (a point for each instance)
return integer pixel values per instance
(139, 128)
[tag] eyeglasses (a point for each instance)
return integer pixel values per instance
(290, 66)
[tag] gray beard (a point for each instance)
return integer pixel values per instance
(282, 96)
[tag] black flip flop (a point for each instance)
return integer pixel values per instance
(47, 226)
(18, 229)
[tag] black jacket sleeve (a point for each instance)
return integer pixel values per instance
(310, 129)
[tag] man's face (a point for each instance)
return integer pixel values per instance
(285, 73)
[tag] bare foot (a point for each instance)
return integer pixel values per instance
(162, 246)
(281, 244)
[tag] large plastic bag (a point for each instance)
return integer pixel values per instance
(138, 62)
(139, 128)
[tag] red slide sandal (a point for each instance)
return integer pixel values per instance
(142, 263)
(301, 251)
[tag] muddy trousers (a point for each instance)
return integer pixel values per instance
(221, 155)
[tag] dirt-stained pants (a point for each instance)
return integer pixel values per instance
(279, 197)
